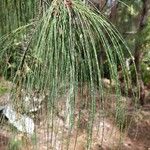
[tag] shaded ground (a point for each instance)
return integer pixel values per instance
(139, 131)
(105, 134)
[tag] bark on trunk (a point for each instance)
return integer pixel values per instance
(138, 52)
(113, 11)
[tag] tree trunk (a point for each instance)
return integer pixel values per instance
(113, 11)
(138, 51)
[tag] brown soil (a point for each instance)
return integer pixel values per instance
(105, 134)
(4, 140)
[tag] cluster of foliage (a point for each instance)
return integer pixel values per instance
(129, 19)
(44, 45)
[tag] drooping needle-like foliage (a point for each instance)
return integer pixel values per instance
(65, 46)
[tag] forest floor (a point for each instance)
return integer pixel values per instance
(106, 135)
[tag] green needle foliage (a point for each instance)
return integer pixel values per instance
(64, 46)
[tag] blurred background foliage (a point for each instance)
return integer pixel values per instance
(26, 12)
